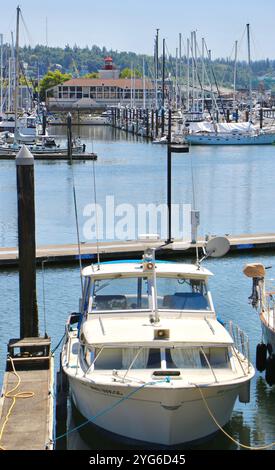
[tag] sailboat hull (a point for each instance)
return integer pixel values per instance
(258, 139)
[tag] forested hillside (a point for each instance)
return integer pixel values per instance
(82, 61)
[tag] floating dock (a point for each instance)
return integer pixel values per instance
(115, 250)
(28, 425)
(53, 156)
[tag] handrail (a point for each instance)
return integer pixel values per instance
(133, 361)
(241, 345)
(208, 363)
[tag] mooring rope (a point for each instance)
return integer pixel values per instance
(14, 398)
(265, 447)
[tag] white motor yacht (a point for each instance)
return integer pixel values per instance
(147, 358)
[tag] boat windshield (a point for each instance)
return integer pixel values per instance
(182, 294)
(120, 294)
(217, 357)
(131, 293)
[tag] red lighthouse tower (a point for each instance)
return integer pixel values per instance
(108, 63)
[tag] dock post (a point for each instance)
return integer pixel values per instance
(44, 122)
(126, 121)
(162, 122)
(147, 123)
(152, 123)
(261, 118)
(227, 115)
(26, 242)
(137, 121)
(69, 136)
(157, 123)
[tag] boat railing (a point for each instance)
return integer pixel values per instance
(241, 346)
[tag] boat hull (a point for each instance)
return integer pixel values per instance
(269, 336)
(261, 139)
(164, 416)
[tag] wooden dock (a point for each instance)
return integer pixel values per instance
(54, 156)
(28, 425)
(118, 249)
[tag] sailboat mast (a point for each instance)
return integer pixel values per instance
(235, 71)
(202, 79)
(176, 85)
(16, 73)
(163, 72)
(1, 72)
(250, 72)
(143, 83)
(188, 76)
(180, 61)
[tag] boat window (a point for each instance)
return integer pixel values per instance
(120, 294)
(109, 358)
(31, 123)
(150, 358)
(185, 358)
(182, 294)
(154, 359)
(217, 357)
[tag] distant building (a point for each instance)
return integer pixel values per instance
(109, 71)
(108, 90)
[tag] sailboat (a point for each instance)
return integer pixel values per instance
(25, 128)
(244, 133)
(262, 299)
(210, 133)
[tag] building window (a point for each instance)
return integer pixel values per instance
(79, 92)
(72, 92)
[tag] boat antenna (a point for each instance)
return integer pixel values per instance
(195, 214)
(77, 232)
(96, 218)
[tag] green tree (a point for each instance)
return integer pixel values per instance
(127, 73)
(92, 75)
(51, 79)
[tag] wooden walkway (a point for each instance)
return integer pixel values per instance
(30, 424)
(129, 249)
(55, 156)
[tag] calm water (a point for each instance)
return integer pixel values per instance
(234, 192)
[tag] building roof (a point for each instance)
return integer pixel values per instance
(119, 83)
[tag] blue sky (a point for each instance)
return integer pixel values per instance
(128, 25)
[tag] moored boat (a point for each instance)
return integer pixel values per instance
(263, 300)
(147, 357)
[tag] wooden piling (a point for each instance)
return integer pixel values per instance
(162, 122)
(26, 242)
(157, 123)
(69, 137)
